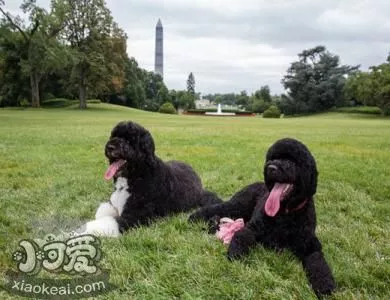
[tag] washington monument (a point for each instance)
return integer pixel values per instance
(158, 56)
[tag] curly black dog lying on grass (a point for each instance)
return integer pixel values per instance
(279, 213)
(145, 186)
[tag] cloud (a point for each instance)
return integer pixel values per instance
(240, 45)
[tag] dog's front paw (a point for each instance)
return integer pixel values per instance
(196, 217)
(213, 224)
(105, 226)
(106, 209)
(240, 244)
(319, 274)
(236, 250)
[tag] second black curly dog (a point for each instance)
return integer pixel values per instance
(280, 212)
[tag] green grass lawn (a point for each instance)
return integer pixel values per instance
(51, 178)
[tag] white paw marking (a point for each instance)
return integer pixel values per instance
(105, 226)
(106, 209)
(120, 195)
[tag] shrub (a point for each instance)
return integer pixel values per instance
(272, 112)
(57, 102)
(24, 102)
(359, 110)
(95, 101)
(150, 105)
(167, 108)
(386, 110)
(244, 113)
(48, 96)
(204, 110)
(259, 106)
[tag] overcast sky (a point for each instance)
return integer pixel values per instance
(233, 45)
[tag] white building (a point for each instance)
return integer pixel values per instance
(202, 103)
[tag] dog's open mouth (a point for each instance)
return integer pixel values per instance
(277, 195)
(114, 168)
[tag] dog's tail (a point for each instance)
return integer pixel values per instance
(209, 198)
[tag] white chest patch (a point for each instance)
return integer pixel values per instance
(120, 195)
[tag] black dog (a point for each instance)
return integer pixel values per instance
(279, 213)
(145, 186)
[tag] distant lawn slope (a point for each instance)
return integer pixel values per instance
(63, 102)
(52, 165)
(359, 110)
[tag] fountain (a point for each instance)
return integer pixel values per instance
(219, 112)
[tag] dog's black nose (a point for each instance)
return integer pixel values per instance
(110, 147)
(272, 168)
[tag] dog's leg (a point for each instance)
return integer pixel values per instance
(209, 198)
(252, 233)
(316, 268)
(106, 209)
(241, 243)
(247, 238)
(227, 209)
(319, 274)
(213, 213)
(133, 216)
(240, 206)
(105, 226)
(113, 226)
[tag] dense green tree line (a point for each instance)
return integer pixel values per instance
(73, 51)
(76, 50)
(370, 88)
(317, 82)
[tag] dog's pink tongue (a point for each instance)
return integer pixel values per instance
(113, 168)
(272, 204)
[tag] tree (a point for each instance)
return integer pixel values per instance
(264, 93)
(14, 85)
(261, 100)
(184, 100)
(370, 88)
(86, 56)
(218, 99)
(94, 38)
(143, 89)
(316, 81)
(259, 105)
(358, 88)
(191, 84)
(380, 83)
(228, 99)
(39, 40)
(242, 99)
(134, 87)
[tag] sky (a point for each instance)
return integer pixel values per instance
(232, 45)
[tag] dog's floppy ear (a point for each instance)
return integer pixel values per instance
(146, 143)
(307, 163)
(311, 177)
(309, 171)
(142, 138)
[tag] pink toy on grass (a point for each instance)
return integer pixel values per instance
(227, 228)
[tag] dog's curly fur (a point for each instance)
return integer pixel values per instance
(293, 226)
(155, 188)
